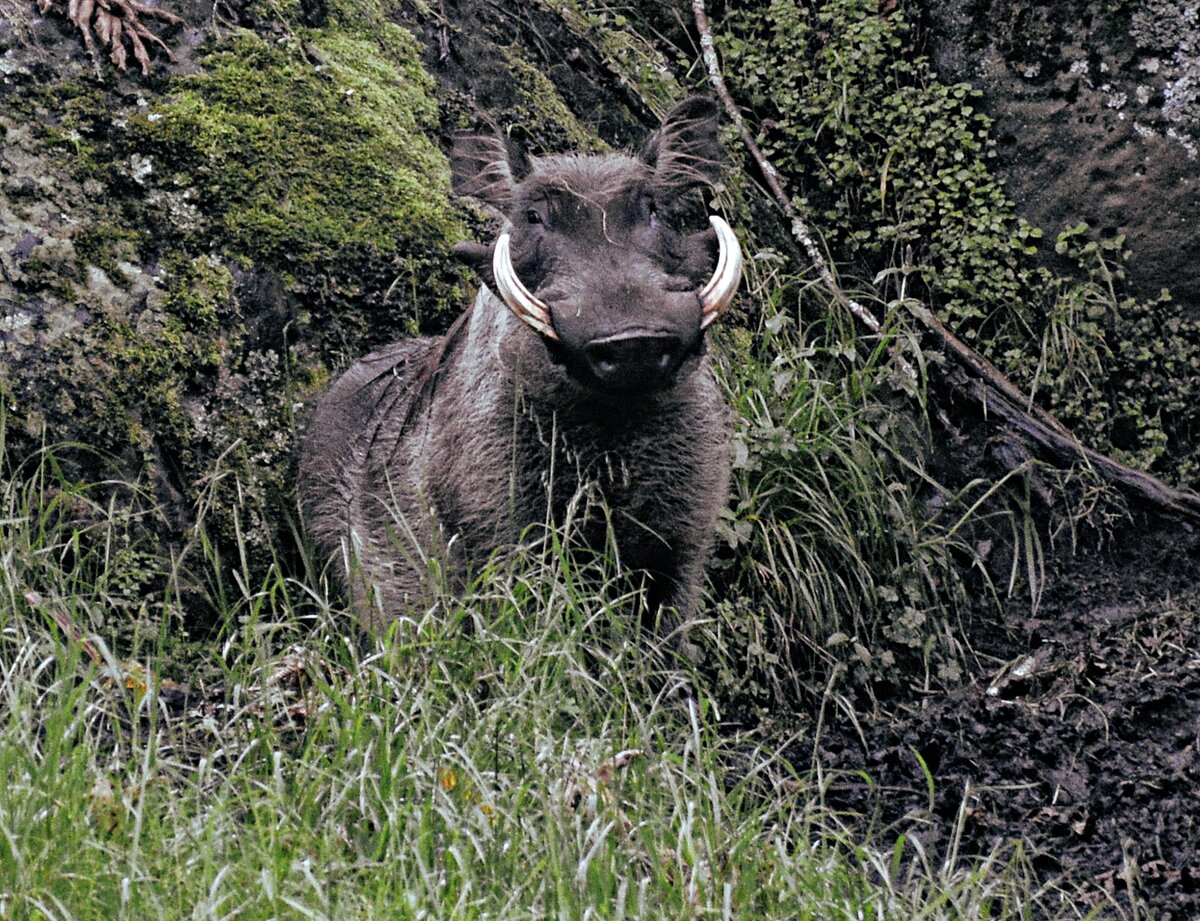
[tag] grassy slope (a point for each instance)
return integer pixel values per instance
(436, 770)
(456, 767)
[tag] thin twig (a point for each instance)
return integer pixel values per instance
(771, 176)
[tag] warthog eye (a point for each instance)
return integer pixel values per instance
(532, 216)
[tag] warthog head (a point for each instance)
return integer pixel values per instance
(594, 255)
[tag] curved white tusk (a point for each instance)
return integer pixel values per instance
(519, 299)
(718, 294)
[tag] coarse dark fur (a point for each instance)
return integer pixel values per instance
(449, 448)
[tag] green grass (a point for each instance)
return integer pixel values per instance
(459, 766)
(841, 550)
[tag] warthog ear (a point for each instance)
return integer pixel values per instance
(479, 258)
(488, 168)
(684, 152)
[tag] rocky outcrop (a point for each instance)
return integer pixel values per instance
(185, 259)
(1097, 111)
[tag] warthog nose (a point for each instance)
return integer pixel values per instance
(634, 361)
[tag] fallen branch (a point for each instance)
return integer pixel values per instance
(996, 395)
(984, 384)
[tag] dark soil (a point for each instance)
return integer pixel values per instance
(1078, 730)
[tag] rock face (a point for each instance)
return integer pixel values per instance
(187, 257)
(1097, 111)
(184, 259)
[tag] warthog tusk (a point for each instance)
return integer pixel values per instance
(715, 296)
(718, 294)
(516, 295)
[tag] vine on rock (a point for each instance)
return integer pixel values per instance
(977, 379)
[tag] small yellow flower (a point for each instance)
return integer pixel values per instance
(136, 680)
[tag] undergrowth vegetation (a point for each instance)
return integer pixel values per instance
(834, 559)
(461, 765)
(893, 166)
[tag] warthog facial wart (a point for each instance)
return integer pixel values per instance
(581, 369)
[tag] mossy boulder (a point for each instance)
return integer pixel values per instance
(188, 258)
(186, 264)
(897, 171)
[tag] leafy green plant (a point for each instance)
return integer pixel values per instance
(1124, 372)
(886, 159)
(884, 156)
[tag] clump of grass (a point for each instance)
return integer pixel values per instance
(841, 548)
(519, 753)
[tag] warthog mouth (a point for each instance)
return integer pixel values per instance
(715, 297)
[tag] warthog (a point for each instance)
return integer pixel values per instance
(578, 379)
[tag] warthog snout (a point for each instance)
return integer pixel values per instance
(620, 297)
(630, 361)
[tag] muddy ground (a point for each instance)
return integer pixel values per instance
(1077, 730)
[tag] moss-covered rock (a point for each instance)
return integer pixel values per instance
(187, 259)
(895, 169)
(295, 161)
(185, 268)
